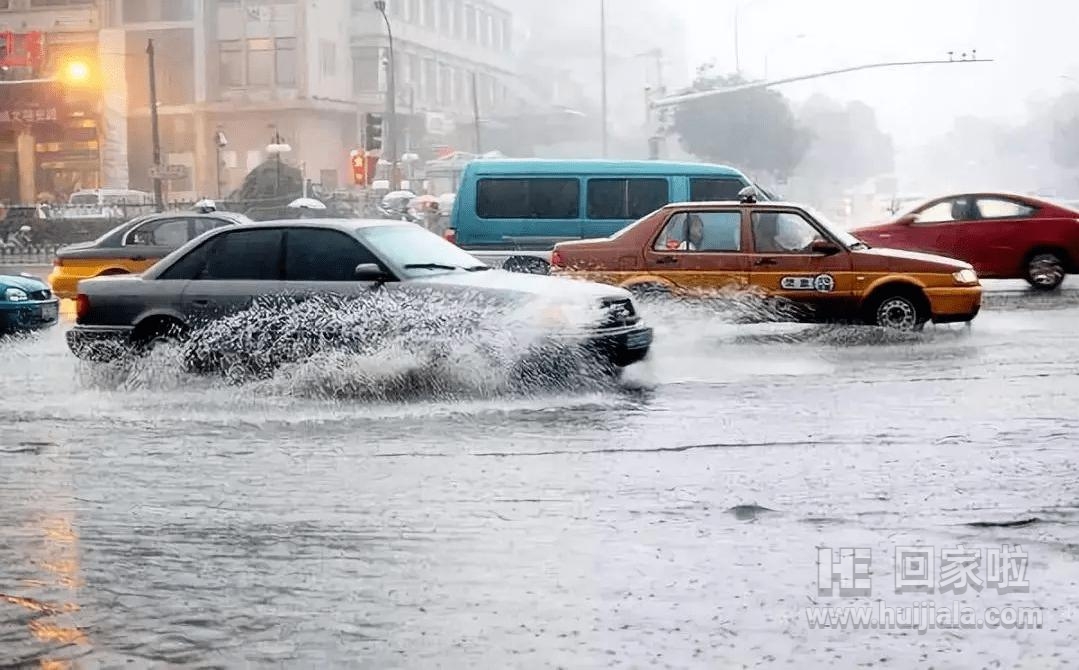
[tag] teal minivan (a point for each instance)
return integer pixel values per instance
(532, 204)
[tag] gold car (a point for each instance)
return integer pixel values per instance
(132, 247)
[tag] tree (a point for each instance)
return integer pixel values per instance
(846, 145)
(754, 130)
(1065, 121)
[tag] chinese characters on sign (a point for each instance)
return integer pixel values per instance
(28, 115)
(917, 569)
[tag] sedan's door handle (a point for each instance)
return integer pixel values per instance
(666, 260)
(200, 302)
(138, 258)
(766, 261)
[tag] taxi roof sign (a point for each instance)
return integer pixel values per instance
(748, 195)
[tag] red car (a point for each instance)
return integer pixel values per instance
(1002, 235)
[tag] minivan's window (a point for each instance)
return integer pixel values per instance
(245, 254)
(312, 254)
(537, 198)
(626, 198)
(709, 189)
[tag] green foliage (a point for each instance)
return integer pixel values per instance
(753, 130)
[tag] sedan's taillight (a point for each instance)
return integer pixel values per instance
(58, 262)
(450, 235)
(82, 306)
(556, 259)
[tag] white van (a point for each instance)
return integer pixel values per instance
(113, 203)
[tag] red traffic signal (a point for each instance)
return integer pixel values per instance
(359, 168)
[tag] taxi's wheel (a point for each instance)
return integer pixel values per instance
(652, 291)
(1045, 271)
(898, 311)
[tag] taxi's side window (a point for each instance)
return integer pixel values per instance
(702, 231)
(783, 233)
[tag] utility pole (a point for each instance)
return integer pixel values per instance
(391, 103)
(476, 111)
(159, 204)
(603, 69)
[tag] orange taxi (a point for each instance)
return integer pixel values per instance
(785, 251)
(134, 246)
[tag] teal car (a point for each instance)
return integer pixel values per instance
(26, 303)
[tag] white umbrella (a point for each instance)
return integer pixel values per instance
(306, 203)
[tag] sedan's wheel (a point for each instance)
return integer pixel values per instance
(898, 312)
(1045, 271)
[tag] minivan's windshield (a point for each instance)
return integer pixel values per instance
(419, 252)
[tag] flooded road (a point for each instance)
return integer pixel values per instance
(672, 520)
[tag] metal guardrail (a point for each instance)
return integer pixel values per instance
(38, 230)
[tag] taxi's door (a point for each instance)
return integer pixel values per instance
(700, 250)
(784, 265)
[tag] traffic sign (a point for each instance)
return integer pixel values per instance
(168, 172)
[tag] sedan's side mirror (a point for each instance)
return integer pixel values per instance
(907, 219)
(369, 272)
(824, 247)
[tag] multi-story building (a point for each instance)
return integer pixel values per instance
(443, 49)
(48, 132)
(562, 62)
(247, 70)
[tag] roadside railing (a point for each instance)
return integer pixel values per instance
(35, 231)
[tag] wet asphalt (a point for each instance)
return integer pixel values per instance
(149, 518)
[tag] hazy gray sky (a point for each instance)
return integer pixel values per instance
(1032, 41)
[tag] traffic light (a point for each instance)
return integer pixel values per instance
(372, 131)
(359, 168)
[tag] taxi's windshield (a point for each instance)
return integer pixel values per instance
(843, 237)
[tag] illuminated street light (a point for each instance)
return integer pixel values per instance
(75, 72)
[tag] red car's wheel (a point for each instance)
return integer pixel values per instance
(1045, 271)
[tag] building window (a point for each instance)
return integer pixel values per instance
(413, 11)
(285, 61)
(365, 70)
(430, 83)
(459, 89)
(470, 23)
(143, 11)
(429, 13)
(269, 62)
(445, 86)
(416, 77)
(260, 62)
(445, 19)
(458, 19)
(506, 28)
(231, 56)
(56, 3)
(327, 56)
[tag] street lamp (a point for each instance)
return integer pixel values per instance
(391, 100)
(276, 147)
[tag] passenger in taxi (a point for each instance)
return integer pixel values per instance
(694, 234)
